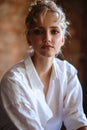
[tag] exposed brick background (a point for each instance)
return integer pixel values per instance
(12, 33)
(13, 45)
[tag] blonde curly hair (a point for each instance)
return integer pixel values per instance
(38, 9)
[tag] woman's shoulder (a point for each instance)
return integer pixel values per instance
(66, 66)
(15, 70)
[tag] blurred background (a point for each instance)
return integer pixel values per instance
(13, 44)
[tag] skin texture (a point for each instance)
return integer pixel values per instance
(49, 42)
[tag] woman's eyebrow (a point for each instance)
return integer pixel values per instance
(54, 26)
(42, 27)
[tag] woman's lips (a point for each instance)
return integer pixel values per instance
(47, 46)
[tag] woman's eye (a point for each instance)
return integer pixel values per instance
(54, 31)
(37, 31)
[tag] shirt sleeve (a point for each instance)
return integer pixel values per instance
(74, 116)
(19, 108)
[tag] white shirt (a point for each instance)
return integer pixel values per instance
(24, 101)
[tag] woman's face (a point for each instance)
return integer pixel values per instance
(46, 37)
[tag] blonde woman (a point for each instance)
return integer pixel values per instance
(42, 92)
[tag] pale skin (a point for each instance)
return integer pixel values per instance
(46, 39)
(46, 45)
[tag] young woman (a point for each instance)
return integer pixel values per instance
(42, 92)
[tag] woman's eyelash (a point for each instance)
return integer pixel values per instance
(38, 31)
(55, 31)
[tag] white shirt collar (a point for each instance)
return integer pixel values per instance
(32, 74)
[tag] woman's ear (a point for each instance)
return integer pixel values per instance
(63, 40)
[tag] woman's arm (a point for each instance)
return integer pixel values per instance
(19, 109)
(74, 116)
(83, 128)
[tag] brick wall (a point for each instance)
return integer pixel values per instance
(13, 44)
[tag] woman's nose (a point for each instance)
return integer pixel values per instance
(47, 36)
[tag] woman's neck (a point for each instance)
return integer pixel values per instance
(42, 64)
(43, 67)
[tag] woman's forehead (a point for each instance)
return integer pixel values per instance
(49, 18)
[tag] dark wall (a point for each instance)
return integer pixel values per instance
(84, 50)
(75, 50)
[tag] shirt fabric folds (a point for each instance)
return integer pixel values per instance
(23, 99)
